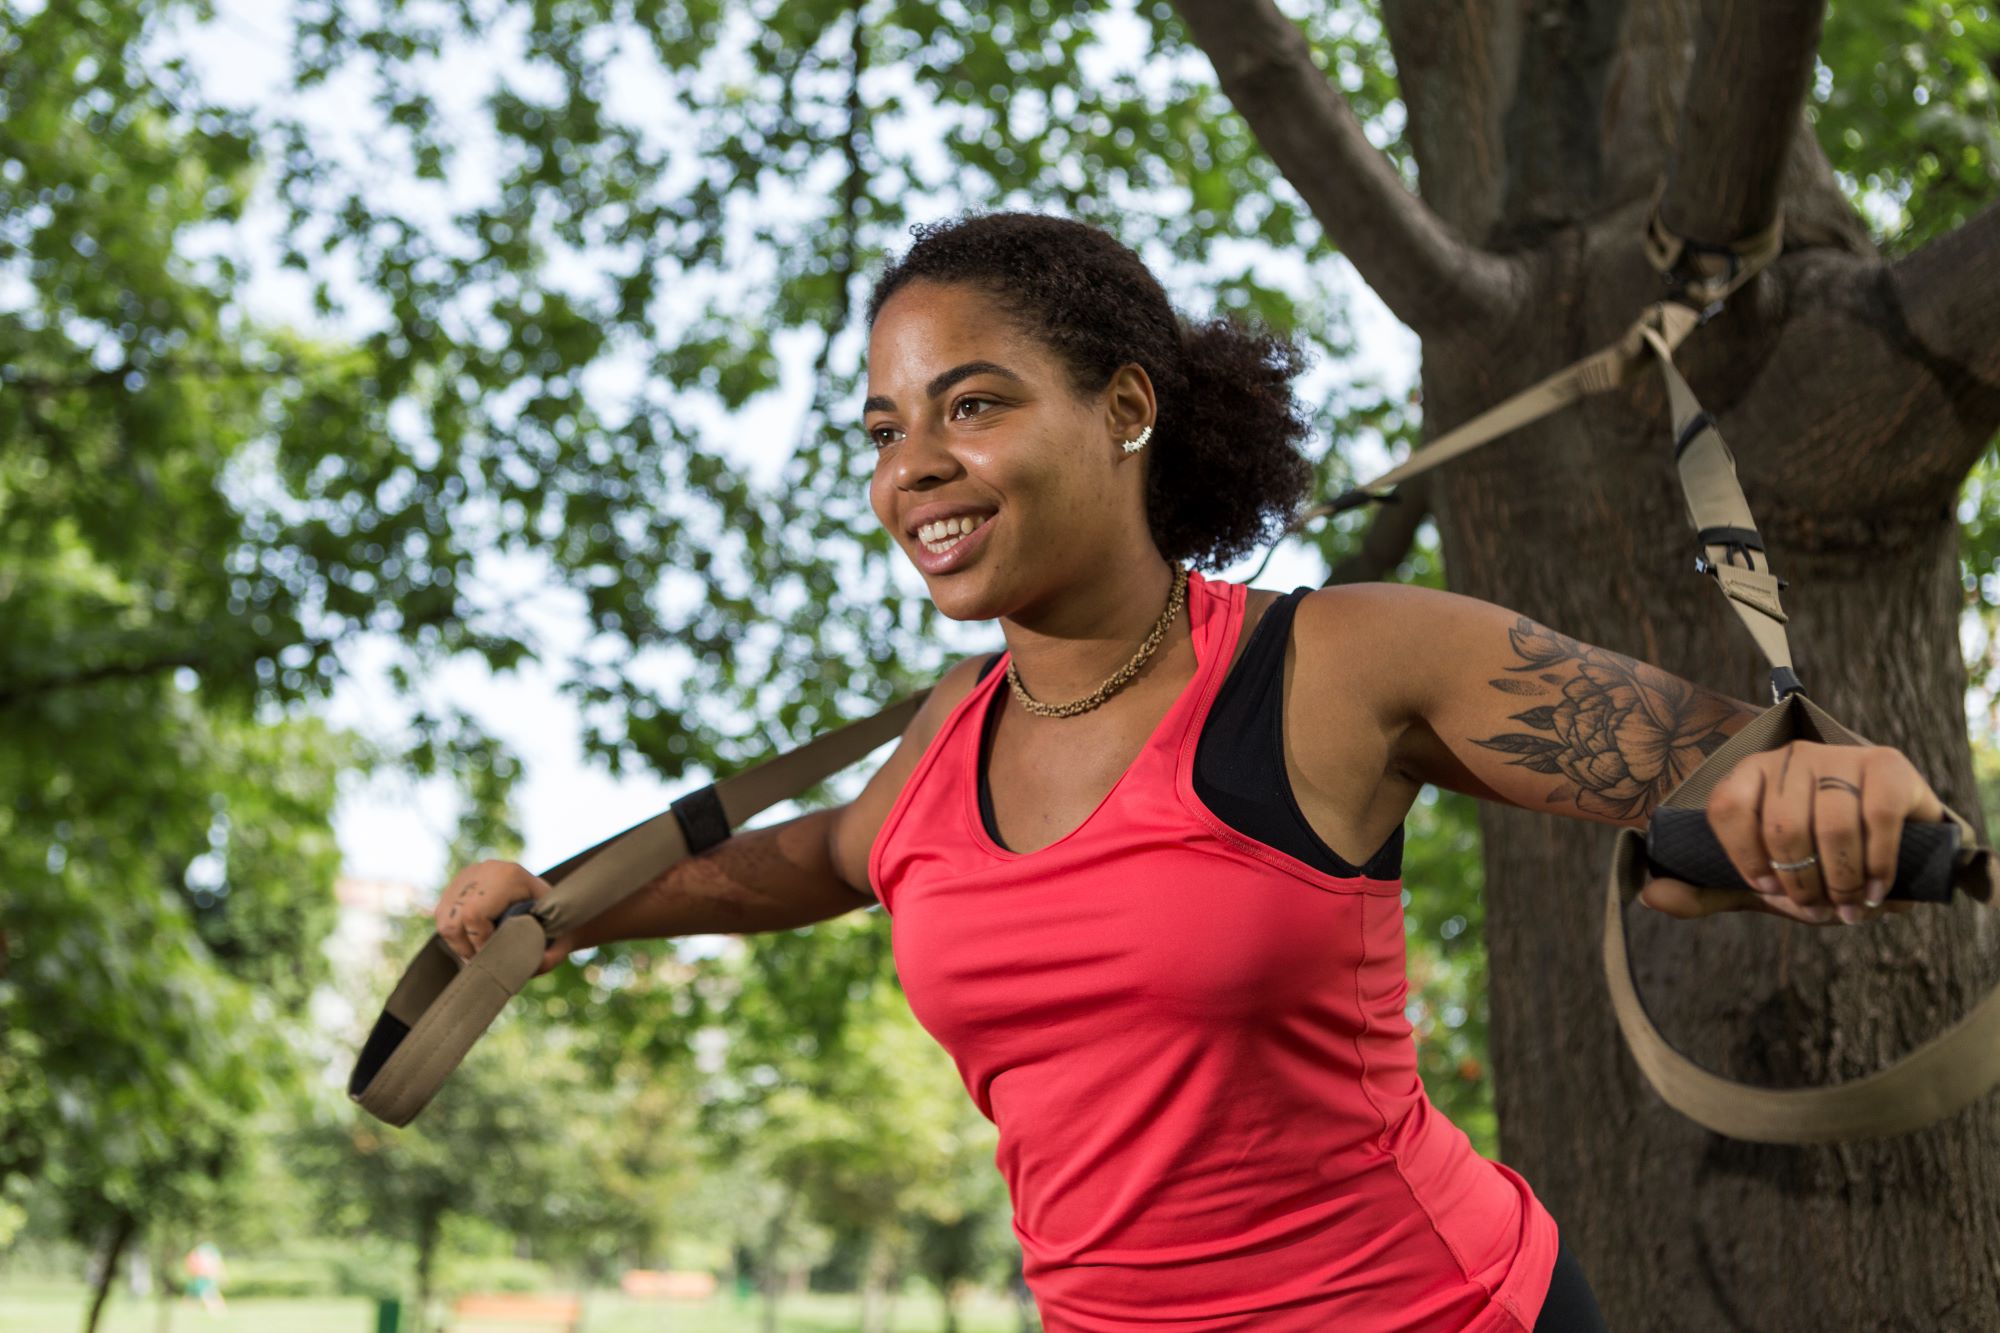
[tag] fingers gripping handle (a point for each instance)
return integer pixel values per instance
(1680, 844)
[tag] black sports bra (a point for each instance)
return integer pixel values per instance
(1239, 762)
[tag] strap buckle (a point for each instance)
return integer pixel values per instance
(1703, 565)
(1784, 684)
(1740, 541)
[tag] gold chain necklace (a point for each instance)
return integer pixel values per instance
(1123, 674)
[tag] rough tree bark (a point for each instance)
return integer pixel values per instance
(1856, 394)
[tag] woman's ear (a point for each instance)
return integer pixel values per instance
(1129, 402)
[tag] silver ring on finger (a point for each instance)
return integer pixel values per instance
(1795, 865)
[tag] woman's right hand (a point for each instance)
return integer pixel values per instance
(479, 893)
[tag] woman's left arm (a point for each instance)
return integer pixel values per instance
(1486, 701)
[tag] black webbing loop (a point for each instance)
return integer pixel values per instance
(382, 1042)
(701, 819)
(1733, 536)
(1697, 423)
(1355, 499)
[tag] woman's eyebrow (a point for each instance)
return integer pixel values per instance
(876, 402)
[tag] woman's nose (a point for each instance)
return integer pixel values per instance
(925, 452)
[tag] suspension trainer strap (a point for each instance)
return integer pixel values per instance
(1706, 272)
(1938, 1078)
(444, 1004)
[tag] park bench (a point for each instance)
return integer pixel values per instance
(667, 1284)
(519, 1308)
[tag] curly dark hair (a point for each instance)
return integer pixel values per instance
(1226, 474)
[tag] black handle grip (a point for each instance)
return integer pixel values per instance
(1681, 845)
(515, 908)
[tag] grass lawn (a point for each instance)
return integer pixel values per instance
(51, 1307)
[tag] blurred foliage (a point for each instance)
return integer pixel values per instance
(860, 1131)
(522, 1146)
(1907, 106)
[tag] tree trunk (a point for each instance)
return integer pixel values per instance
(952, 1294)
(1027, 1316)
(166, 1291)
(107, 1272)
(1856, 395)
(770, 1271)
(1650, 1201)
(1850, 466)
(430, 1227)
(874, 1285)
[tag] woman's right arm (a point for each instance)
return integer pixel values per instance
(776, 877)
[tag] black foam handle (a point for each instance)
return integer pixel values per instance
(1680, 844)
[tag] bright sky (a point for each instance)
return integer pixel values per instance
(398, 829)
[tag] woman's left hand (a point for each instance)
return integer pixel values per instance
(1843, 806)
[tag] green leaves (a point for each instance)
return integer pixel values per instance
(1907, 106)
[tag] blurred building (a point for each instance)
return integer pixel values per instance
(372, 914)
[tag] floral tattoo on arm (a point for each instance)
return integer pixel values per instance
(1621, 735)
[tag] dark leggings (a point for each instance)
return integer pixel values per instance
(1570, 1306)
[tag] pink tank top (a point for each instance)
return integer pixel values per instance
(1194, 1047)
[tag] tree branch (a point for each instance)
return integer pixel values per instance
(1455, 69)
(852, 190)
(218, 655)
(1389, 537)
(17, 691)
(1949, 294)
(1429, 276)
(1752, 62)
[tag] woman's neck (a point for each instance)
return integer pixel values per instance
(1069, 646)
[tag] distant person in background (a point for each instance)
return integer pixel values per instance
(204, 1270)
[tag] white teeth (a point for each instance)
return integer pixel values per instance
(942, 536)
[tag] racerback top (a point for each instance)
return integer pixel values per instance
(1194, 1047)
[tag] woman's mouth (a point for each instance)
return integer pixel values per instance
(945, 546)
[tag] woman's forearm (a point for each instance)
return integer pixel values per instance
(773, 878)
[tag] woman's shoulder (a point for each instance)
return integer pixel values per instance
(1355, 647)
(857, 823)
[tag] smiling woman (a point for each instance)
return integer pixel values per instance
(1110, 867)
(1144, 868)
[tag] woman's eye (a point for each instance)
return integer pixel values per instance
(875, 435)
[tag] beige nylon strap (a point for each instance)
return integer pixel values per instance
(1715, 501)
(443, 1005)
(1601, 371)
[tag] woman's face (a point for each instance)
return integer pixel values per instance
(971, 421)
